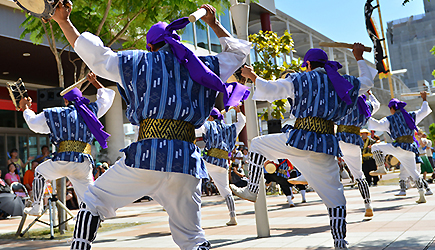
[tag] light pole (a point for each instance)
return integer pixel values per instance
(240, 14)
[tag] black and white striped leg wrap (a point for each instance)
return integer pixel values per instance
(420, 184)
(363, 187)
(425, 184)
(337, 217)
(230, 204)
(204, 246)
(85, 229)
(402, 185)
(379, 158)
(38, 188)
(256, 162)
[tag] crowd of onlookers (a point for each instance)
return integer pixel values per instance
(20, 175)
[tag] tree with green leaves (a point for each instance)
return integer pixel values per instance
(123, 23)
(269, 46)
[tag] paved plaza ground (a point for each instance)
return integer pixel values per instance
(398, 223)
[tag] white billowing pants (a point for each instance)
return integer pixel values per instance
(179, 194)
(408, 166)
(220, 178)
(320, 170)
(352, 157)
(79, 173)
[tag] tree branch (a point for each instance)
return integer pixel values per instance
(120, 33)
(106, 13)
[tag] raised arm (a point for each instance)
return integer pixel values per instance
(36, 122)
(424, 111)
(101, 60)
(375, 103)
(241, 120)
(269, 90)
(234, 51)
(105, 96)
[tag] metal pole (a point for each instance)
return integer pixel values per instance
(61, 195)
(390, 82)
(240, 14)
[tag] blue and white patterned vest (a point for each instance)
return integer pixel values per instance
(398, 127)
(353, 119)
(67, 125)
(157, 86)
(221, 136)
(315, 97)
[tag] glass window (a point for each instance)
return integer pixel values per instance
(33, 146)
(23, 145)
(3, 157)
(187, 34)
(10, 144)
(253, 56)
(201, 35)
(225, 20)
(43, 141)
(21, 123)
(8, 118)
(215, 44)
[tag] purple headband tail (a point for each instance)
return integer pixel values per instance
(199, 72)
(399, 105)
(88, 116)
(363, 106)
(216, 112)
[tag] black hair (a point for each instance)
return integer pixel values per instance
(315, 64)
(45, 146)
(14, 150)
(14, 166)
(158, 45)
(214, 117)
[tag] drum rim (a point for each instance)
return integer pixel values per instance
(46, 14)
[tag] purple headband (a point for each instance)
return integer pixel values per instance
(88, 116)
(234, 93)
(363, 106)
(341, 85)
(216, 112)
(399, 105)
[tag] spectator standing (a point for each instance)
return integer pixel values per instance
(19, 165)
(368, 163)
(30, 175)
(44, 156)
(237, 157)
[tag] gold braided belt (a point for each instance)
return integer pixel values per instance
(282, 171)
(166, 129)
(405, 139)
(74, 146)
(348, 129)
(315, 124)
(217, 153)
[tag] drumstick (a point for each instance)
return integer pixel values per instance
(195, 16)
(413, 94)
(342, 45)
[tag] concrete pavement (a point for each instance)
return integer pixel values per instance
(398, 223)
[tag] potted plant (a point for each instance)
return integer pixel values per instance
(269, 47)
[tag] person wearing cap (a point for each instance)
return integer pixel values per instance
(319, 97)
(220, 139)
(169, 92)
(72, 129)
(368, 163)
(401, 125)
(348, 134)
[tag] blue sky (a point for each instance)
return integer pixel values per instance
(343, 20)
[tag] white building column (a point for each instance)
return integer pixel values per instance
(114, 126)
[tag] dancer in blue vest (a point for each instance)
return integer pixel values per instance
(169, 92)
(220, 139)
(400, 126)
(319, 97)
(72, 129)
(348, 134)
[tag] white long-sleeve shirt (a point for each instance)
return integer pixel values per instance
(384, 124)
(241, 121)
(105, 63)
(38, 124)
(284, 88)
(375, 103)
